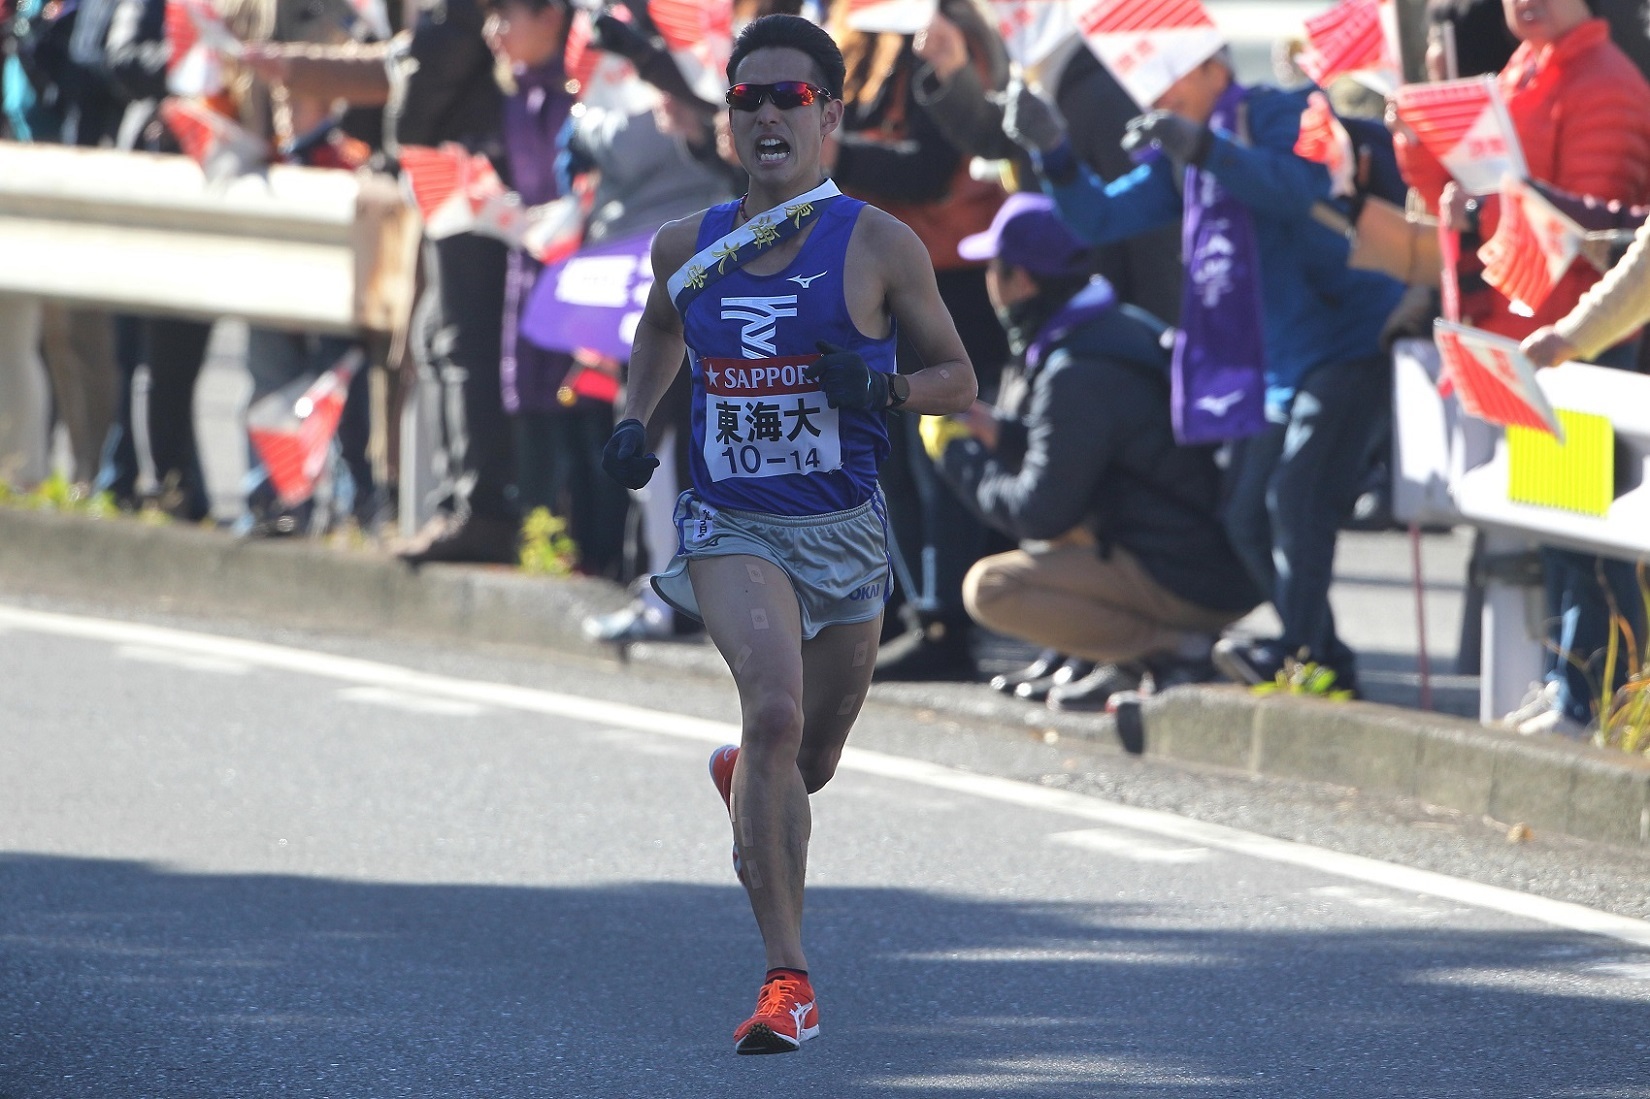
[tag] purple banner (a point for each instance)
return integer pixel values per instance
(1219, 369)
(592, 299)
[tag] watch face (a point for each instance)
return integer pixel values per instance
(900, 386)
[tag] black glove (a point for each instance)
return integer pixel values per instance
(1182, 140)
(617, 36)
(847, 379)
(1030, 121)
(622, 457)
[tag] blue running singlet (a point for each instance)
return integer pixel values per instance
(763, 437)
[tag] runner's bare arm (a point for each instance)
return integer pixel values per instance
(656, 352)
(946, 384)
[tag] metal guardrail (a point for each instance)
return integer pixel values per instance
(1449, 468)
(310, 249)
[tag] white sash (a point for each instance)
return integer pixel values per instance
(763, 230)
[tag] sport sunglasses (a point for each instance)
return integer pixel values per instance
(785, 95)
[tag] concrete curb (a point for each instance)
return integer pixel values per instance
(1546, 783)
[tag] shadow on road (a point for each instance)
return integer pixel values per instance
(123, 979)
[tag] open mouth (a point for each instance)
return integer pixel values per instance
(771, 150)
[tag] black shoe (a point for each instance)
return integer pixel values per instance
(1250, 663)
(1089, 694)
(1167, 672)
(1036, 690)
(1253, 663)
(936, 654)
(1046, 662)
(454, 538)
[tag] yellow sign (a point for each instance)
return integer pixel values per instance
(1577, 475)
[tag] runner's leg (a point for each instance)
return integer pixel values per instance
(750, 612)
(836, 673)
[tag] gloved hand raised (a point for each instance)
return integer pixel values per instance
(1029, 120)
(847, 379)
(623, 458)
(1182, 140)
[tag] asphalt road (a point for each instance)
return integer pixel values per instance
(244, 863)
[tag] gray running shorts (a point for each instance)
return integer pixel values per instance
(837, 562)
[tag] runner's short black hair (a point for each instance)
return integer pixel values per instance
(792, 32)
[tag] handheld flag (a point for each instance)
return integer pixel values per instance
(1464, 123)
(1493, 379)
(1148, 44)
(1533, 246)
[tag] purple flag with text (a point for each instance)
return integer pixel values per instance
(592, 299)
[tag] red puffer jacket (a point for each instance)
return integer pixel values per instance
(1582, 113)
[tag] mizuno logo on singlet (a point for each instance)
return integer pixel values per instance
(806, 281)
(760, 315)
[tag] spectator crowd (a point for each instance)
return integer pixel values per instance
(1185, 372)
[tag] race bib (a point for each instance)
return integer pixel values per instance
(764, 419)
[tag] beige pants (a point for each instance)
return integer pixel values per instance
(25, 395)
(79, 347)
(1061, 595)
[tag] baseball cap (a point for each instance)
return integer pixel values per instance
(1028, 233)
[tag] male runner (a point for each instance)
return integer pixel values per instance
(787, 300)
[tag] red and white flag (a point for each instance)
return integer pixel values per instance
(579, 56)
(1324, 140)
(1034, 30)
(891, 16)
(1351, 37)
(199, 42)
(450, 186)
(552, 232)
(1148, 44)
(459, 192)
(1492, 378)
(1533, 246)
(222, 148)
(1464, 123)
(292, 436)
(699, 34)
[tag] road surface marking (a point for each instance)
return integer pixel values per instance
(1129, 847)
(1155, 822)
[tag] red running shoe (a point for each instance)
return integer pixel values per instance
(721, 773)
(786, 1016)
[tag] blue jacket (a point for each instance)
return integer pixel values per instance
(1318, 311)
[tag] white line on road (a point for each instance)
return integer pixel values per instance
(420, 702)
(1129, 847)
(1573, 917)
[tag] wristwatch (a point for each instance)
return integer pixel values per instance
(899, 390)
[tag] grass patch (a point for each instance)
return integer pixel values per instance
(57, 493)
(546, 547)
(1624, 715)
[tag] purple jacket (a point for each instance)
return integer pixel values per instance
(534, 118)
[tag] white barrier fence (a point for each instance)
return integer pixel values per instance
(309, 249)
(1450, 468)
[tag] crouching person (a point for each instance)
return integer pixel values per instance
(1123, 560)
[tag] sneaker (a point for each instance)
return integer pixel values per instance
(1541, 698)
(786, 1016)
(1037, 690)
(1168, 672)
(721, 773)
(1553, 722)
(1250, 663)
(637, 622)
(1268, 667)
(1089, 693)
(1044, 665)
